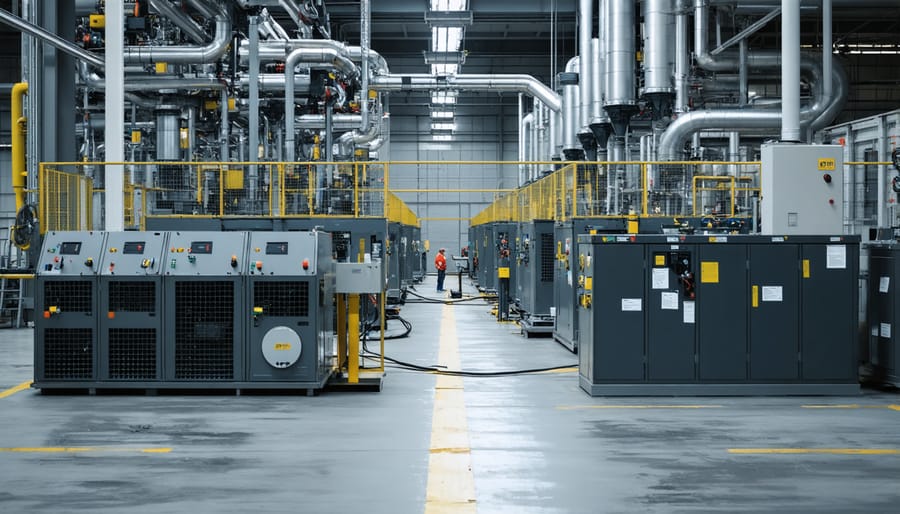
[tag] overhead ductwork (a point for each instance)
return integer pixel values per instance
(188, 26)
(175, 54)
(659, 55)
(620, 102)
(470, 82)
(569, 81)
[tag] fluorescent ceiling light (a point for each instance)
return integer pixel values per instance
(442, 115)
(443, 97)
(443, 126)
(444, 69)
(448, 5)
(446, 39)
(442, 137)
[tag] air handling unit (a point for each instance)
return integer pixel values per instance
(290, 314)
(65, 350)
(130, 312)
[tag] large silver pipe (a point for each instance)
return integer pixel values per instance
(570, 107)
(308, 55)
(620, 54)
(188, 26)
(341, 122)
(585, 33)
(827, 44)
(274, 82)
(554, 134)
(206, 9)
(278, 51)
(224, 128)
(659, 52)
(541, 131)
(470, 82)
(365, 15)
(520, 115)
(816, 116)
(8, 18)
(209, 53)
(168, 133)
(598, 115)
(790, 70)
(681, 58)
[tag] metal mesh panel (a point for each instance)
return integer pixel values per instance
(282, 298)
(69, 295)
(132, 353)
(68, 353)
(547, 256)
(136, 296)
(204, 330)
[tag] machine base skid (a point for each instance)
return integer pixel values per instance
(568, 343)
(373, 384)
(537, 327)
(761, 389)
(93, 387)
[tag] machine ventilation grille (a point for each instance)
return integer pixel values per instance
(282, 298)
(69, 295)
(132, 353)
(204, 330)
(68, 353)
(132, 297)
(547, 256)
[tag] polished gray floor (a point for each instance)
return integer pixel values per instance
(538, 443)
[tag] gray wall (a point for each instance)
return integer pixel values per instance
(477, 138)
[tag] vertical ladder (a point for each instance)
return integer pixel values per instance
(12, 290)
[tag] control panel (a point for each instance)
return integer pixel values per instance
(133, 253)
(206, 253)
(802, 189)
(71, 253)
(282, 253)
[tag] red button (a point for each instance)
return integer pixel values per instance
(305, 263)
(259, 265)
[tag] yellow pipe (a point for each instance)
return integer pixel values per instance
(19, 127)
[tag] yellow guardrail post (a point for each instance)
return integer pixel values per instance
(356, 173)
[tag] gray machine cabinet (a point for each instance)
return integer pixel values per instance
(395, 259)
(612, 327)
(131, 309)
(204, 307)
(535, 263)
(833, 269)
(564, 271)
(289, 315)
(65, 338)
(722, 342)
(775, 315)
(670, 280)
(883, 315)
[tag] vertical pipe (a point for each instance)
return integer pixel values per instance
(827, 43)
(585, 32)
(742, 73)
(521, 117)
(883, 156)
(681, 58)
(365, 15)
(790, 70)
(253, 172)
(224, 131)
(115, 116)
(598, 115)
(554, 135)
(17, 126)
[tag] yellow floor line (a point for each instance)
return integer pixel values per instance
(579, 407)
(13, 390)
(573, 369)
(451, 484)
(81, 449)
(851, 406)
(818, 451)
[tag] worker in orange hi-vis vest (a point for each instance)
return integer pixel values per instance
(440, 264)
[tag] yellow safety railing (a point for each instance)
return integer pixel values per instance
(222, 189)
(64, 200)
(617, 189)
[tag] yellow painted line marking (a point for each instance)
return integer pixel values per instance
(579, 407)
(573, 369)
(451, 484)
(815, 451)
(13, 390)
(81, 449)
(851, 406)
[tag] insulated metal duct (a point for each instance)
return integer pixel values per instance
(188, 26)
(469, 82)
(168, 134)
(790, 70)
(681, 57)
(659, 55)
(571, 147)
(585, 34)
(600, 124)
(209, 53)
(620, 102)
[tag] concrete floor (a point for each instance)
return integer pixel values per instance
(535, 443)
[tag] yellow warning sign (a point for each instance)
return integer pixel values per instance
(709, 272)
(282, 346)
(805, 268)
(755, 297)
(827, 164)
(660, 260)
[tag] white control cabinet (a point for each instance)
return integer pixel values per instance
(802, 189)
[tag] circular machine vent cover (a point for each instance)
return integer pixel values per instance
(281, 347)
